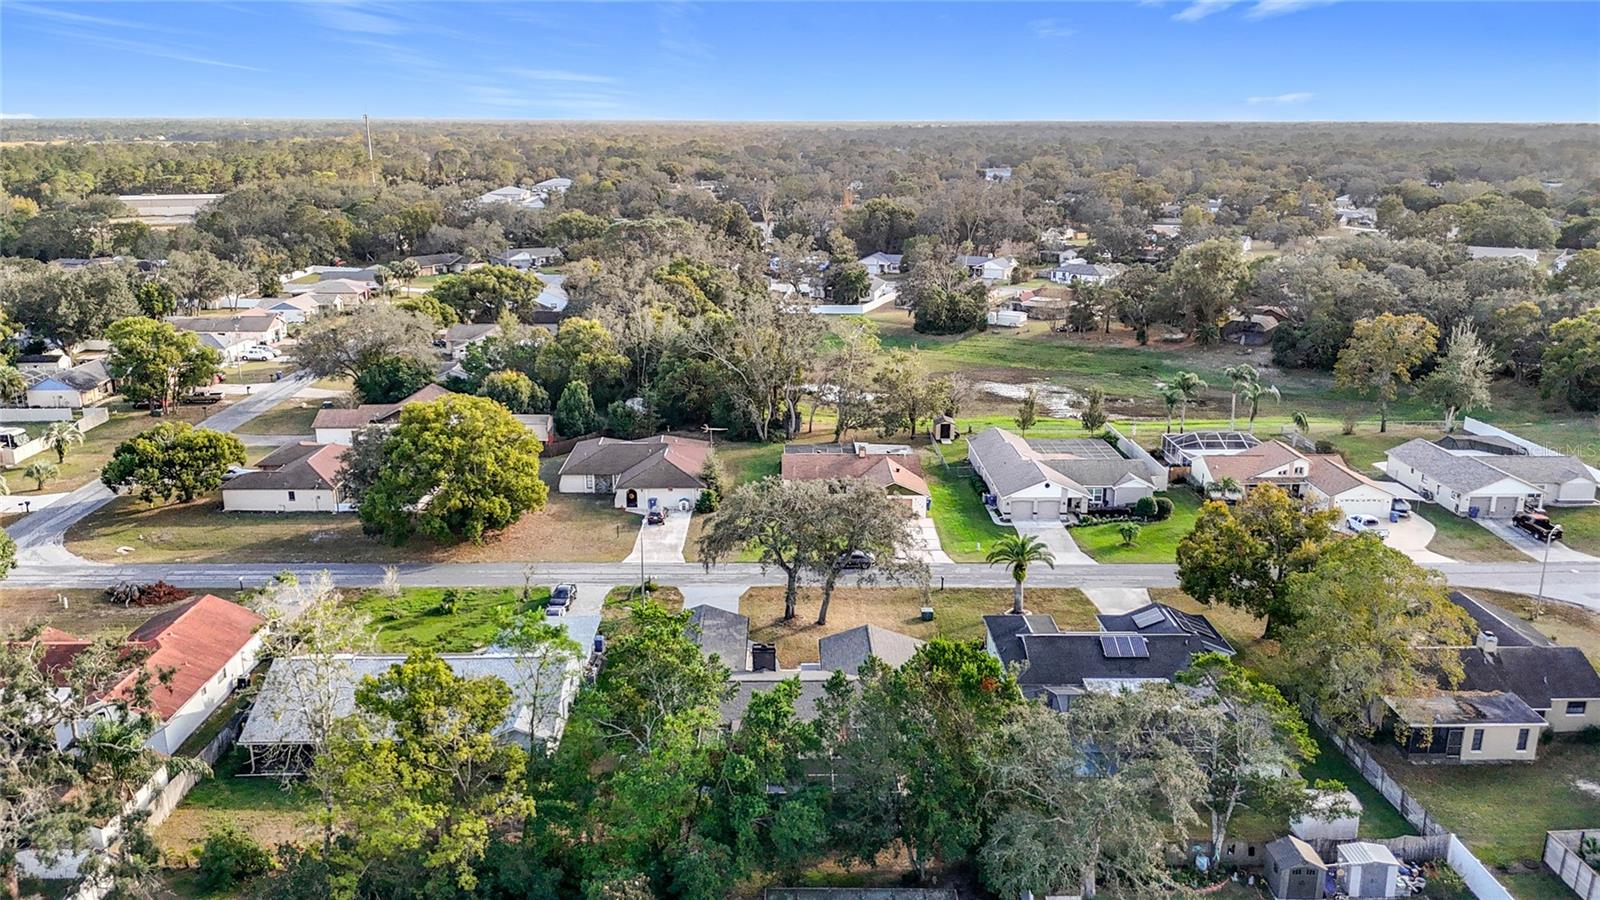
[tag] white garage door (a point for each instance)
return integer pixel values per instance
(1036, 510)
(1377, 507)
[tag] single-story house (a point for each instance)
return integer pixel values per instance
(439, 263)
(1323, 479)
(1465, 484)
(514, 196)
(722, 634)
(880, 293)
(848, 651)
(1077, 271)
(244, 330)
(457, 338)
(166, 210)
(1525, 254)
(997, 173)
(1048, 480)
(77, 387)
(543, 685)
(881, 263)
(1253, 330)
(1465, 727)
(1150, 644)
(297, 310)
(1510, 655)
(207, 644)
(337, 293)
(655, 472)
(526, 258)
(989, 268)
(1333, 484)
(1363, 218)
(899, 474)
(557, 185)
(299, 477)
(46, 362)
(337, 426)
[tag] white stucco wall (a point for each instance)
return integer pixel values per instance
(237, 500)
(216, 691)
(669, 498)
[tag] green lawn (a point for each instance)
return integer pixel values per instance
(1581, 527)
(292, 416)
(84, 461)
(415, 620)
(1502, 812)
(1378, 818)
(965, 529)
(1157, 542)
(269, 810)
(1461, 538)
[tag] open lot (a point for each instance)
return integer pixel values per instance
(1581, 527)
(957, 614)
(571, 528)
(271, 811)
(86, 613)
(1463, 539)
(292, 416)
(417, 619)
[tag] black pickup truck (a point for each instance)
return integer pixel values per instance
(1537, 524)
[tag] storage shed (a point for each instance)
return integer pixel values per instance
(1294, 870)
(1367, 870)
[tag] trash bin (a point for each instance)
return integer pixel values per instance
(1393, 517)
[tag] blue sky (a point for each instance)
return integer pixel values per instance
(1177, 60)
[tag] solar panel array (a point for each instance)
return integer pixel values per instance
(1124, 646)
(1144, 618)
(1082, 448)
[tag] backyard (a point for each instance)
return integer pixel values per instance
(84, 461)
(958, 614)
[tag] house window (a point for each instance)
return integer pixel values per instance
(291, 496)
(1522, 739)
(1577, 707)
(1477, 740)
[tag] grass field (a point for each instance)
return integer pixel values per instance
(1581, 527)
(957, 614)
(571, 528)
(292, 416)
(1157, 541)
(416, 620)
(965, 529)
(1463, 539)
(1378, 818)
(271, 811)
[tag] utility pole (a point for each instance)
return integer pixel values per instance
(371, 165)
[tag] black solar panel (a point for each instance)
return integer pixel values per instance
(1124, 646)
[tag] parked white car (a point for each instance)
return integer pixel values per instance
(259, 353)
(1361, 524)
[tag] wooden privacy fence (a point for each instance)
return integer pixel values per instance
(1411, 810)
(1563, 854)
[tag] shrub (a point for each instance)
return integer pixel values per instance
(1325, 446)
(448, 602)
(1445, 883)
(1163, 509)
(1145, 507)
(229, 857)
(1129, 533)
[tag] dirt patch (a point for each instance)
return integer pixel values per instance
(1587, 786)
(1056, 400)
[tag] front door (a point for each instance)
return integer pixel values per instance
(1452, 744)
(632, 498)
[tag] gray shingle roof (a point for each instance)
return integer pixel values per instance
(847, 651)
(1463, 474)
(723, 634)
(85, 377)
(1541, 469)
(1536, 674)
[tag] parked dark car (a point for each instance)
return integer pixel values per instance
(656, 517)
(562, 596)
(856, 559)
(1537, 524)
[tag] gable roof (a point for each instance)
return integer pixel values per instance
(1536, 674)
(470, 331)
(253, 322)
(1159, 618)
(1011, 464)
(1251, 464)
(885, 470)
(195, 640)
(435, 259)
(1508, 629)
(303, 466)
(1541, 469)
(301, 303)
(847, 651)
(86, 377)
(1331, 476)
(660, 461)
(1463, 474)
(722, 633)
(368, 413)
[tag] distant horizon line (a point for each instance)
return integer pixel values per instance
(33, 119)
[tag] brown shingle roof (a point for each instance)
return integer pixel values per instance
(663, 461)
(367, 413)
(884, 470)
(305, 466)
(1247, 466)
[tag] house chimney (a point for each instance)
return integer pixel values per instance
(1487, 642)
(764, 657)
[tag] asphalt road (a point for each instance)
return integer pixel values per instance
(1576, 583)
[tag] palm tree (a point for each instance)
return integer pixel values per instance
(1238, 377)
(1170, 398)
(1189, 386)
(61, 435)
(1129, 532)
(13, 384)
(1017, 551)
(1302, 422)
(1253, 392)
(40, 472)
(406, 270)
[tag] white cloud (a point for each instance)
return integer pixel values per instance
(561, 75)
(1199, 9)
(1267, 8)
(350, 17)
(1051, 28)
(6, 115)
(1280, 99)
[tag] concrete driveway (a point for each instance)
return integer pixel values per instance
(661, 543)
(1058, 539)
(1411, 537)
(925, 538)
(1532, 546)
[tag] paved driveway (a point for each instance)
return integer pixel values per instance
(261, 399)
(925, 537)
(1411, 537)
(661, 543)
(1059, 540)
(1532, 546)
